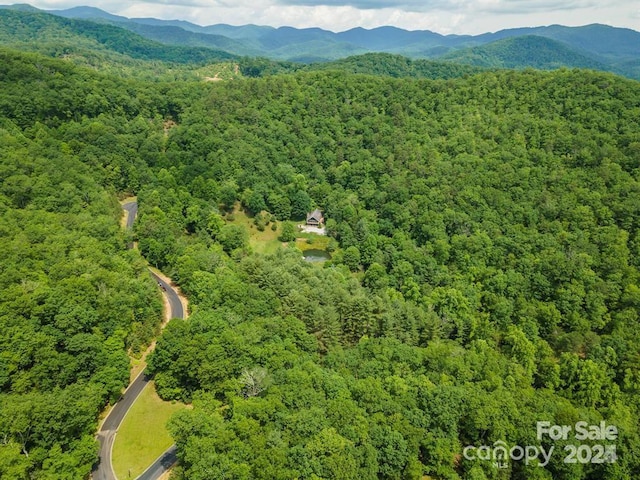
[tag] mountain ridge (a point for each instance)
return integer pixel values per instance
(601, 46)
(19, 27)
(88, 12)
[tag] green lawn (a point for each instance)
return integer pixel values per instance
(143, 435)
(261, 242)
(267, 242)
(311, 241)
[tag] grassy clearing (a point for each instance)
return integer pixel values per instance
(219, 71)
(261, 242)
(312, 241)
(267, 242)
(143, 435)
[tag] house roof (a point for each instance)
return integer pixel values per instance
(315, 215)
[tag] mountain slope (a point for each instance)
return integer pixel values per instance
(175, 35)
(392, 38)
(397, 66)
(525, 51)
(596, 39)
(38, 31)
(87, 13)
(592, 46)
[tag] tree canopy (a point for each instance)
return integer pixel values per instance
(485, 272)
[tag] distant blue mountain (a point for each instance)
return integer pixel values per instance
(87, 13)
(609, 48)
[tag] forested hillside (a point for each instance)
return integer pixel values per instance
(118, 52)
(73, 300)
(487, 276)
(397, 66)
(596, 46)
(29, 27)
(612, 49)
(525, 51)
(484, 273)
(102, 46)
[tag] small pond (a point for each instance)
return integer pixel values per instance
(315, 255)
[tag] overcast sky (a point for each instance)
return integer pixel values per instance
(442, 16)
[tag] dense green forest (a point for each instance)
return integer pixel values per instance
(73, 300)
(525, 51)
(485, 271)
(29, 27)
(397, 66)
(486, 278)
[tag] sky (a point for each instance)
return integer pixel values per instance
(441, 16)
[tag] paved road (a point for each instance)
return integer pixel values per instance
(107, 433)
(174, 301)
(106, 436)
(132, 210)
(161, 465)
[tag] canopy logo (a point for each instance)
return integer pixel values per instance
(501, 454)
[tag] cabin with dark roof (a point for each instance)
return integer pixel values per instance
(315, 218)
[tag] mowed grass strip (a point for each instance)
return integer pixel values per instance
(143, 434)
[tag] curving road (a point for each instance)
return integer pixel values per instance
(161, 465)
(172, 296)
(107, 433)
